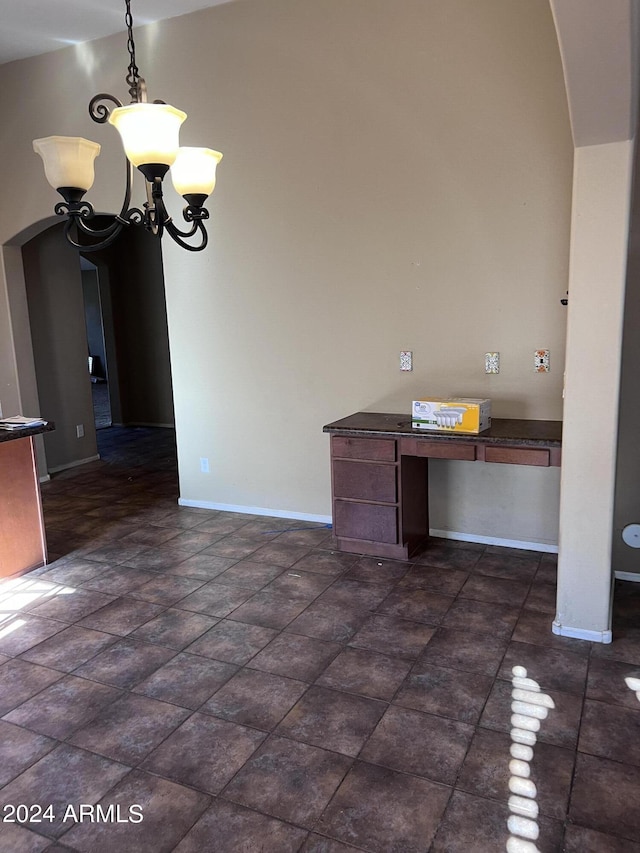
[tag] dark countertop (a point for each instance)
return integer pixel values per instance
(504, 431)
(27, 432)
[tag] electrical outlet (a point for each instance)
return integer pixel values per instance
(406, 360)
(79, 430)
(541, 361)
(492, 362)
(204, 465)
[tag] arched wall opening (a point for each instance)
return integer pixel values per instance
(48, 330)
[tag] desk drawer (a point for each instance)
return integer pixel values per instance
(376, 449)
(440, 450)
(518, 455)
(365, 521)
(369, 481)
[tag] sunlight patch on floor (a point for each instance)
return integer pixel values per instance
(18, 594)
(529, 706)
(633, 684)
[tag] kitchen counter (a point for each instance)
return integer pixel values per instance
(22, 535)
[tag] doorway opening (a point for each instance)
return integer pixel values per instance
(99, 336)
(96, 349)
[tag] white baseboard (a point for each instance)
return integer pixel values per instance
(257, 510)
(75, 464)
(627, 576)
(581, 633)
(326, 519)
(494, 540)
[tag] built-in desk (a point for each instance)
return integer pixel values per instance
(22, 537)
(379, 473)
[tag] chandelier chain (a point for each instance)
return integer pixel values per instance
(133, 75)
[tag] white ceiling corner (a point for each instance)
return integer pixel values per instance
(32, 27)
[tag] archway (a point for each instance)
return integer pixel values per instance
(46, 312)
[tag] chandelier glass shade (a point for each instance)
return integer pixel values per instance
(193, 172)
(149, 132)
(150, 138)
(68, 160)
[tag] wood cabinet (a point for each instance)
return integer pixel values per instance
(22, 534)
(379, 474)
(379, 496)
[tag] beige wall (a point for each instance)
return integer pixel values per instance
(391, 181)
(396, 176)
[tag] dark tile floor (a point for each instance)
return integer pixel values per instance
(245, 688)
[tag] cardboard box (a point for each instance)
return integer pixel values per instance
(451, 414)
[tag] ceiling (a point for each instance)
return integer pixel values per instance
(31, 27)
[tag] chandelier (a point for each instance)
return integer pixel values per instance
(149, 133)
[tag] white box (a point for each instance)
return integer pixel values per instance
(451, 414)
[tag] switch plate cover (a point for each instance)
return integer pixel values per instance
(492, 362)
(406, 360)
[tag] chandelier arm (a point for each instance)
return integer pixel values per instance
(100, 232)
(100, 112)
(184, 234)
(91, 247)
(133, 216)
(127, 215)
(79, 212)
(124, 210)
(196, 215)
(175, 235)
